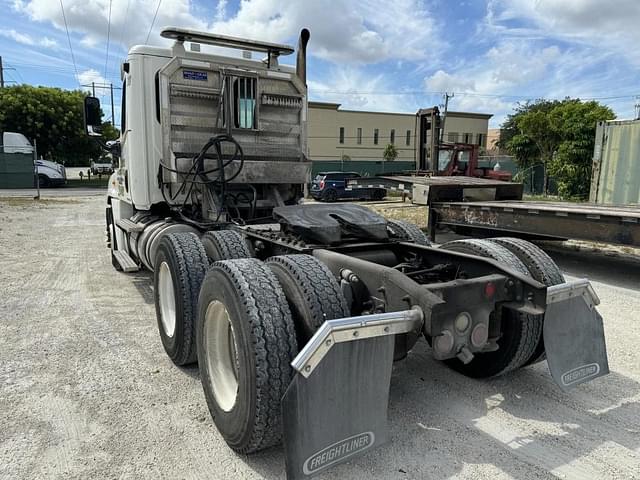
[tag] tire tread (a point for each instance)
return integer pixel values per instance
(274, 345)
(192, 263)
(408, 231)
(542, 268)
(322, 293)
(228, 244)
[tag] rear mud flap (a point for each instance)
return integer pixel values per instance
(574, 334)
(336, 406)
(339, 411)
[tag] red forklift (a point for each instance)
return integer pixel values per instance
(436, 157)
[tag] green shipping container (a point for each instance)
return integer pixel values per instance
(16, 170)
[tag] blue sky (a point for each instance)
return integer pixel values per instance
(397, 55)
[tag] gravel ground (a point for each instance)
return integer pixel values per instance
(86, 390)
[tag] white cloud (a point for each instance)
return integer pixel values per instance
(342, 30)
(359, 90)
(129, 26)
(91, 76)
(487, 83)
(48, 43)
(442, 81)
(25, 39)
(221, 10)
(364, 31)
(602, 24)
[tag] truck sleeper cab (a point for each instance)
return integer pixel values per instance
(295, 312)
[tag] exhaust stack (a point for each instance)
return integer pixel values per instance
(301, 60)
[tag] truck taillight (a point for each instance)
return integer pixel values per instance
(490, 290)
(321, 184)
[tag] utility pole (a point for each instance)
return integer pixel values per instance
(113, 118)
(1, 74)
(444, 117)
(93, 89)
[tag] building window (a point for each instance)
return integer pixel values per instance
(468, 138)
(359, 137)
(408, 141)
(482, 140)
(375, 136)
(452, 137)
(341, 134)
(392, 136)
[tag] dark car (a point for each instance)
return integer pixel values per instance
(332, 186)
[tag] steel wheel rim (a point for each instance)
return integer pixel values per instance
(167, 300)
(221, 355)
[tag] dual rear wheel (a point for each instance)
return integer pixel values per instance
(244, 321)
(251, 316)
(243, 326)
(521, 341)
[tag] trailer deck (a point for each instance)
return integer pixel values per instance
(550, 220)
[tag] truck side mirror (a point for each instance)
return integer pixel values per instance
(92, 123)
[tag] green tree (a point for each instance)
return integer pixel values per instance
(571, 164)
(390, 152)
(558, 134)
(54, 117)
(511, 137)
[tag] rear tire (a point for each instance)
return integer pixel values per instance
(180, 266)
(542, 268)
(330, 195)
(378, 195)
(407, 231)
(520, 332)
(311, 290)
(246, 342)
(225, 245)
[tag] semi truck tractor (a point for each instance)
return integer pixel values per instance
(294, 312)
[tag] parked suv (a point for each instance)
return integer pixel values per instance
(331, 186)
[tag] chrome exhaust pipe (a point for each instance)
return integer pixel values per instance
(301, 59)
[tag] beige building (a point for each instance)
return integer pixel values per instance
(336, 134)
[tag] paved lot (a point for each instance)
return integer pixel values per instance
(86, 390)
(61, 192)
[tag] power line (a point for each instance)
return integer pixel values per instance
(104, 86)
(469, 94)
(73, 58)
(153, 21)
(106, 60)
(17, 72)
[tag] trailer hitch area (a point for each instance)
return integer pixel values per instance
(573, 334)
(336, 405)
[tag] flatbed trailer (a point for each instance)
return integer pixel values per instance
(543, 220)
(491, 208)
